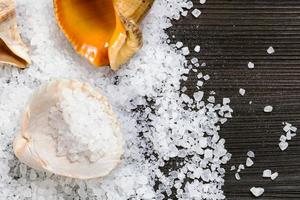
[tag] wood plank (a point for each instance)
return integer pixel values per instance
(231, 33)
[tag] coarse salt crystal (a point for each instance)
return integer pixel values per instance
(206, 77)
(268, 109)
(196, 13)
(270, 50)
(249, 162)
(274, 176)
(257, 191)
(250, 65)
(283, 145)
(226, 101)
(250, 154)
(179, 44)
(242, 91)
(185, 51)
(267, 173)
(232, 168)
(202, 1)
(237, 176)
(197, 48)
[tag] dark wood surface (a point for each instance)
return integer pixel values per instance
(231, 33)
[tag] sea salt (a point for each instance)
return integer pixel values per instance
(250, 154)
(274, 176)
(268, 109)
(197, 48)
(202, 1)
(267, 173)
(283, 145)
(196, 13)
(185, 51)
(179, 44)
(270, 50)
(257, 191)
(153, 132)
(250, 65)
(242, 91)
(237, 176)
(249, 162)
(83, 127)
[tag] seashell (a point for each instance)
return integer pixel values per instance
(12, 49)
(36, 146)
(105, 32)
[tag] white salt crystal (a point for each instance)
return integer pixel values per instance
(270, 50)
(268, 109)
(184, 13)
(241, 167)
(250, 65)
(197, 48)
(283, 145)
(257, 191)
(194, 60)
(282, 138)
(198, 95)
(226, 101)
(202, 1)
(196, 13)
(179, 44)
(206, 77)
(232, 168)
(250, 154)
(237, 176)
(274, 176)
(211, 99)
(189, 4)
(242, 91)
(267, 173)
(249, 162)
(200, 83)
(185, 51)
(200, 75)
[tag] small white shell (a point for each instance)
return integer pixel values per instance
(34, 147)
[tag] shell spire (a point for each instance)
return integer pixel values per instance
(12, 49)
(105, 32)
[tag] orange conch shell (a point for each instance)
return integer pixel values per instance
(106, 32)
(12, 49)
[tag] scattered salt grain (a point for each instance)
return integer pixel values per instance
(179, 44)
(270, 50)
(267, 173)
(202, 1)
(257, 191)
(200, 83)
(196, 13)
(237, 176)
(242, 91)
(283, 145)
(274, 176)
(184, 13)
(249, 162)
(250, 65)
(197, 48)
(194, 60)
(206, 77)
(189, 5)
(198, 95)
(226, 101)
(268, 109)
(211, 99)
(250, 154)
(185, 51)
(232, 168)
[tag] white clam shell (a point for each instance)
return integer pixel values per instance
(35, 147)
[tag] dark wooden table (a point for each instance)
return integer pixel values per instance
(231, 33)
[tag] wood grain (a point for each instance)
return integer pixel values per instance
(231, 33)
